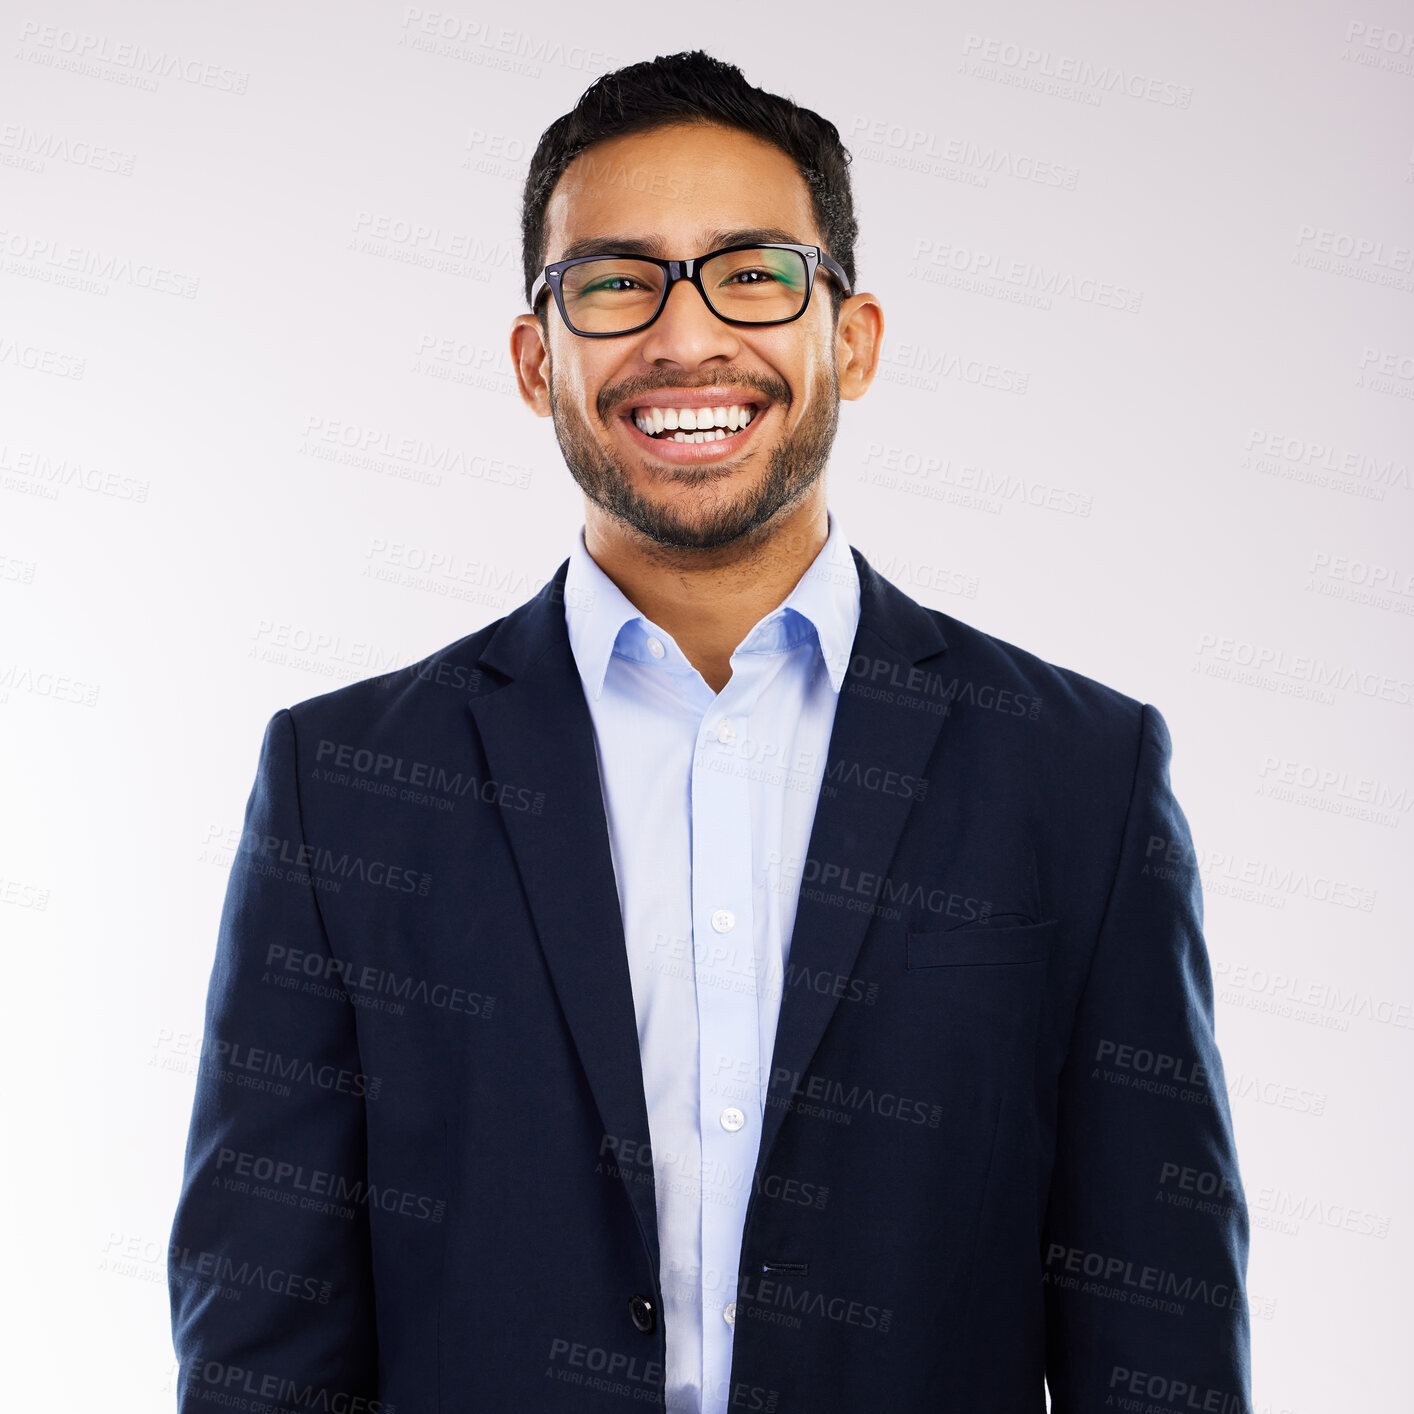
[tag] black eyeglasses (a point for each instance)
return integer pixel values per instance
(605, 296)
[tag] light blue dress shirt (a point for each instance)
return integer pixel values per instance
(709, 799)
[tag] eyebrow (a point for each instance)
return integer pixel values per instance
(654, 245)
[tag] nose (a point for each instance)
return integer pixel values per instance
(686, 331)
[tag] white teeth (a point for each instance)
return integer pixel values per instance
(694, 424)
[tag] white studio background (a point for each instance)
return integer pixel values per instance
(1145, 409)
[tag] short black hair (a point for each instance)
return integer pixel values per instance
(693, 87)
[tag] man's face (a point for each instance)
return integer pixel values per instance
(689, 190)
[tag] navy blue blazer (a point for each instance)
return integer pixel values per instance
(997, 1146)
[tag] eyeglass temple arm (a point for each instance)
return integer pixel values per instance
(837, 270)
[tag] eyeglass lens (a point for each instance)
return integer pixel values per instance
(612, 294)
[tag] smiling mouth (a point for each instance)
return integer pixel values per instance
(693, 425)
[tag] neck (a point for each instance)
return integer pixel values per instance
(709, 600)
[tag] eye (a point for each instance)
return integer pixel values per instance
(614, 284)
(752, 276)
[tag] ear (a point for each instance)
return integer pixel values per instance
(858, 341)
(531, 359)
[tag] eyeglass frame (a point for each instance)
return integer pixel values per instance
(690, 270)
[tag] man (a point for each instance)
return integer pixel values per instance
(721, 983)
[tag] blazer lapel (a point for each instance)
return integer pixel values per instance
(537, 731)
(889, 714)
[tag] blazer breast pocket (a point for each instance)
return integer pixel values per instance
(982, 945)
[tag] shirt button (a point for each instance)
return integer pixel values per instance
(723, 920)
(726, 733)
(729, 1313)
(732, 1118)
(655, 647)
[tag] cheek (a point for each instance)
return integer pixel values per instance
(578, 388)
(568, 393)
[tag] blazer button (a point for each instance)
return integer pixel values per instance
(641, 1309)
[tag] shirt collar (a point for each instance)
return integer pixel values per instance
(601, 619)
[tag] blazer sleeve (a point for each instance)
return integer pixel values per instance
(1145, 1243)
(271, 1286)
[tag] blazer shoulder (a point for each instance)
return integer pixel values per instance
(439, 683)
(1069, 700)
(1085, 747)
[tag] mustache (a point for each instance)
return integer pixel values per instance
(775, 390)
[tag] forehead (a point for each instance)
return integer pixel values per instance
(677, 191)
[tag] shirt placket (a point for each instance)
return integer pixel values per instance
(726, 969)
